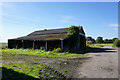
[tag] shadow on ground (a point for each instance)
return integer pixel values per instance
(7, 74)
(84, 51)
(106, 50)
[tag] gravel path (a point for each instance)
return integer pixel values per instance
(103, 63)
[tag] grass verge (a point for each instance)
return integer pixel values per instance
(24, 71)
(98, 45)
(115, 46)
(40, 52)
(21, 68)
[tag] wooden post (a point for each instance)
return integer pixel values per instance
(84, 42)
(16, 44)
(46, 45)
(80, 41)
(22, 43)
(62, 44)
(33, 44)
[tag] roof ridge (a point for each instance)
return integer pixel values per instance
(51, 29)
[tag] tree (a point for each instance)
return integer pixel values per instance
(99, 40)
(93, 40)
(73, 36)
(106, 40)
(110, 41)
(116, 43)
(114, 39)
(88, 38)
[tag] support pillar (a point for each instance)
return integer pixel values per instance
(46, 45)
(84, 42)
(33, 44)
(15, 44)
(78, 43)
(62, 44)
(22, 43)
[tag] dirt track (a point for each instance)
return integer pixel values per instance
(103, 63)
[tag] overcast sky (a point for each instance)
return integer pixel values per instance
(22, 18)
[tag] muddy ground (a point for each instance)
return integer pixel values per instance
(102, 63)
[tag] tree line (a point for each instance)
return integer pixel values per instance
(99, 39)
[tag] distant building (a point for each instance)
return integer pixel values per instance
(47, 39)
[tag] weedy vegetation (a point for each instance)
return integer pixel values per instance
(29, 70)
(40, 52)
(116, 43)
(17, 71)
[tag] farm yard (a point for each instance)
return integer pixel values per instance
(57, 40)
(43, 57)
(33, 63)
(40, 64)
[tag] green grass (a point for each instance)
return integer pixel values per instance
(40, 52)
(115, 46)
(98, 45)
(95, 45)
(25, 71)
(106, 44)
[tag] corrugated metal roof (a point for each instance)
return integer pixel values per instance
(44, 37)
(51, 34)
(48, 32)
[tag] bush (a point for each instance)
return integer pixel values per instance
(117, 43)
(57, 50)
(99, 40)
(73, 36)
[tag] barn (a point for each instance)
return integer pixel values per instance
(47, 39)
